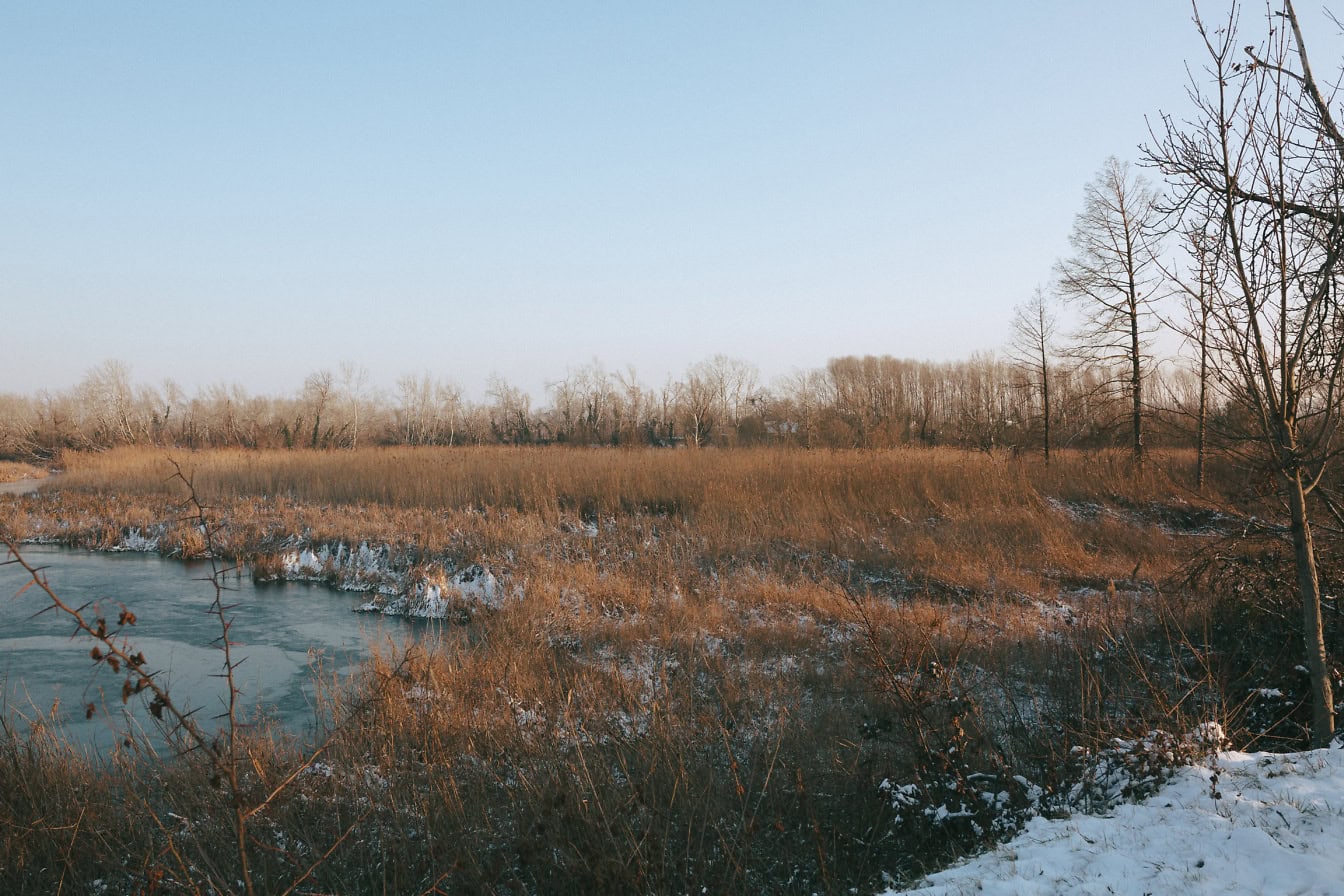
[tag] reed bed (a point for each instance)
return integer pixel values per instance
(541, 480)
(12, 471)
(964, 519)
(710, 663)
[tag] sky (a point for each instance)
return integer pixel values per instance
(250, 192)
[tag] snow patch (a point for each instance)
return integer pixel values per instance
(353, 569)
(1239, 823)
(436, 594)
(133, 539)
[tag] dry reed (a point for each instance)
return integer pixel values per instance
(715, 659)
(961, 519)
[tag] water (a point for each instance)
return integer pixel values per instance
(283, 633)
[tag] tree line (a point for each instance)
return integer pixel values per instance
(986, 401)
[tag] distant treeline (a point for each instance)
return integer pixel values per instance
(866, 402)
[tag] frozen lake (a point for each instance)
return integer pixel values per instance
(283, 632)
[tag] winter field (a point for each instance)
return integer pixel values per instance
(724, 671)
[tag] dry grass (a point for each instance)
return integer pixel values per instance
(12, 471)
(715, 660)
(946, 517)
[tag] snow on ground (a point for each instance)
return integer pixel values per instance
(135, 540)
(360, 568)
(1240, 823)
(437, 595)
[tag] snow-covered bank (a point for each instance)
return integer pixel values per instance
(1240, 823)
(429, 591)
(438, 594)
(398, 584)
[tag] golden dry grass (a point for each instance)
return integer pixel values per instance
(12, 471)
(714, 659)
(964, 519)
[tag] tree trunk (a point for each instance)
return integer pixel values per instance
(1136, 381)
(1203, 397)
(1308, 586)
(1045, 404)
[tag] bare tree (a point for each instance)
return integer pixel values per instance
(1260, 167)
(415, 409)
(428, 412)
(510, 412)
(318, 390)
(715, 396)
(566, 402)
(19, 425)
(870, 395)
(356, 396)
(104, 398)
(665, 406)
(737, 382)
(1034, 328)
(1111, 277)
(698, 399)
(634, 421)
(449, 410)
(1196, 290)
(166, 401)
(801, 400)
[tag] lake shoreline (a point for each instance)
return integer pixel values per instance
(399, 579)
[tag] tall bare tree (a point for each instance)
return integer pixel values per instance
(415, 412)
(1196, 289)
(355, 393)
(1034, 328)
(1112, 277)
(1262, 161)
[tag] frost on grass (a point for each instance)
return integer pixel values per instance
(1237, 823)
(361, 568)
(437, 594)
(135, 539)
(399, 588)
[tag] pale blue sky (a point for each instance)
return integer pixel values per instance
(247, 192)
